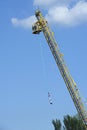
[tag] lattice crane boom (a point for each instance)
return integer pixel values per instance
(42, 26)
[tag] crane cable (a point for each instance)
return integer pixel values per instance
(44, 72)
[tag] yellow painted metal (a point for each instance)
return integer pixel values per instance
(42, 25)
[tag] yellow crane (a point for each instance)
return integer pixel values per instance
(42, 26)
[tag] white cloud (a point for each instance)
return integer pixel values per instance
(25, 23)
(44, 2)
(50, 3)
(61, 14)
(68, 16)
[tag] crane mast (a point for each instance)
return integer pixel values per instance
(42, 26)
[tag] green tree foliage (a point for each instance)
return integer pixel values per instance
(70, 123)
(57, 124)
(73, 123)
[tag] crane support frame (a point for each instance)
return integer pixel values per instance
(42, 26)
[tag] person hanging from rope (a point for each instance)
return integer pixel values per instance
(50, 99)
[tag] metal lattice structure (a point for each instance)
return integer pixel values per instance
(42, 26)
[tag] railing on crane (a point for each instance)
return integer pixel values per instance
(42, 26)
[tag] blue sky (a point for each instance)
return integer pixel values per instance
(27, 68)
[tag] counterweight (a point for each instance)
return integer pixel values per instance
(42, 26)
